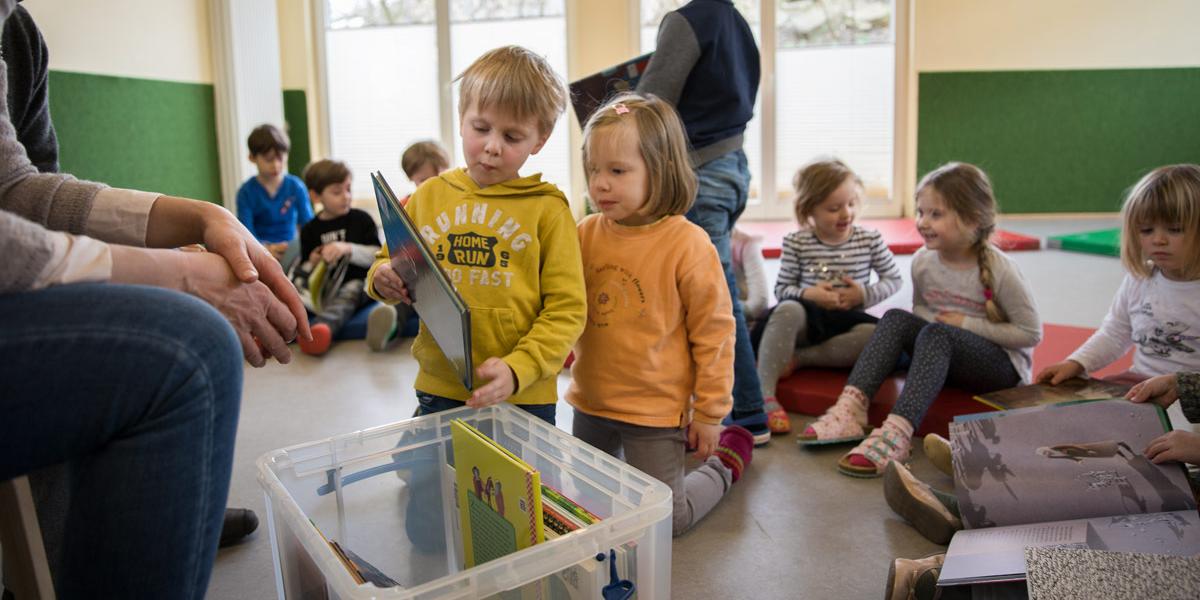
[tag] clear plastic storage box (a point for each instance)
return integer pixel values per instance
(386, 494)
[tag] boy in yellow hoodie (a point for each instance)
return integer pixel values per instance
(508, 244)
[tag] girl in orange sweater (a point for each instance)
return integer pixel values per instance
(653, 371)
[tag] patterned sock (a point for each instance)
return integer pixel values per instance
(735, 449)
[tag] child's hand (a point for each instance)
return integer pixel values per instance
(824, 295)
(332, 251)
(315, 256)
(277, 249)
(501, 383)
(1182, 446)
(388, 284)
(950, 317)
(851, 294)
(1060, 372)
(703, 437)
(1161, 390)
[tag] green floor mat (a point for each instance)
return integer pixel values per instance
(1106, 242)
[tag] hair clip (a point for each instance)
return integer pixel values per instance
(987, 293)
(620, 108)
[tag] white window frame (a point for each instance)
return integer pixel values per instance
(771, 206)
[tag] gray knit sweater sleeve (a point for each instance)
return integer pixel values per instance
(53, 201)
(675, 54)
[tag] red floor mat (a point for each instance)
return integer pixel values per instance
(900, 234)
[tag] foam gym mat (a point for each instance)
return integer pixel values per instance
(1106, 242)
(900, 234)
(811, 391)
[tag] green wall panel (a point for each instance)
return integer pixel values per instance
(295, 112)
(143, 134)
(1060, 141)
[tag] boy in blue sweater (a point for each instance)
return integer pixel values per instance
(273, 205)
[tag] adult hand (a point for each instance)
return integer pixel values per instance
(950, 317)
(263, 323)
(389, 286)
(824, 295)
(1179, 445)
(226, 236)
(1059, 372)
(1161, 390)
(703, 437)
(851, 293)
(501, 383)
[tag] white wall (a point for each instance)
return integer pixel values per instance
(990, 35)
(150, 39)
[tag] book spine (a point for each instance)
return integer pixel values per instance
(530, 498)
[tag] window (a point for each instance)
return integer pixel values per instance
(833, 91)
(382, 79)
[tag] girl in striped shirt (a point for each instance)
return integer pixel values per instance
(824, 283)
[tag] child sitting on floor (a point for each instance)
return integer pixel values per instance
(974, 324)
(653, 371)
(824, 283)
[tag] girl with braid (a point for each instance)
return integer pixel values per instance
(973, 325)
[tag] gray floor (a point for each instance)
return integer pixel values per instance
(792, 528)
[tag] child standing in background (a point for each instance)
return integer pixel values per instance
(420, 161)
(1157, 307)
(653, 371)
(337, 231)
(824, 283)
(973, 324)
(273, 205)
(508, 243)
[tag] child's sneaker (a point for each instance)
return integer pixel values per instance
(322, 338)
(381, 326)
(937, 448)
(889, 442)
(919, 504)
(756, 424)
(777, 417)
(735, 448)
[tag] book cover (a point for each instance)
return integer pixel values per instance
(499, 497)
(1068, 474)
(1039, 394)
(592, 91)
(437, 303)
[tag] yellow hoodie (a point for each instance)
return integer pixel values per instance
(512, 251)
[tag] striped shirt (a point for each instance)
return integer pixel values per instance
(808, 261)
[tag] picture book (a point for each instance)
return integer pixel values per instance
(592, 91)
(1038, 394)
(437, 303)
(499, 499)
(1070, 474)
(317, 283)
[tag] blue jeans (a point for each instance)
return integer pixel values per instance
(724, 185)
(137, 389)
(435, 404)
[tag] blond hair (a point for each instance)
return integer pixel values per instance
(814, 183)
(516, 81)
(1167, 195)
(425, 152)
(661, 140)
(967, 192)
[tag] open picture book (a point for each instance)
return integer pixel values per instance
(1070, 474)
(591, 92)
(1039, 394)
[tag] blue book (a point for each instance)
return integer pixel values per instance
(592, 91)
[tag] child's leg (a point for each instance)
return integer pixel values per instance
(785, 326)
(349, 298)
(939, 350)
(659, 452)
(839, 351)
(597, 431)
(845, 420)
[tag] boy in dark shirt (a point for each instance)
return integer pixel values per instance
(337, 233)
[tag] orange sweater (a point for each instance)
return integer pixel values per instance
(660, 332)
